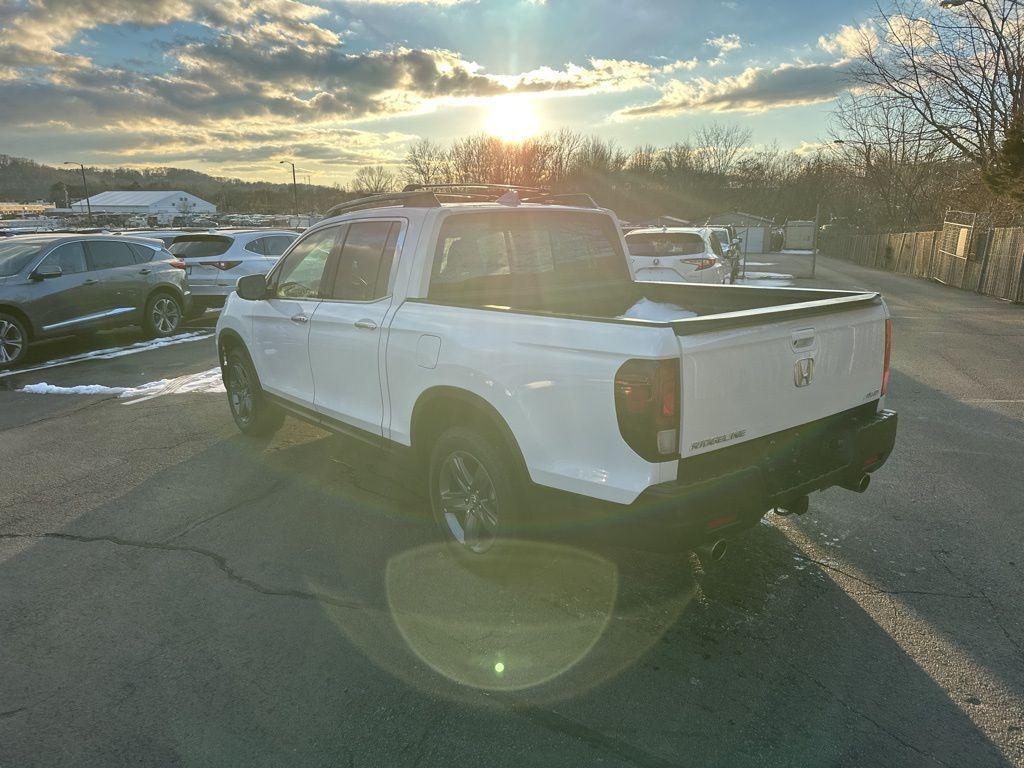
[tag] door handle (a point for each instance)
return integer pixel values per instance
(300, 319)
(90, 281)
(145, 271)
(366, 325)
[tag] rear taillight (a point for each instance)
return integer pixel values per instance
(888, 354)
(177, 263)
(647, 407)
(700, 263)
(224, 264)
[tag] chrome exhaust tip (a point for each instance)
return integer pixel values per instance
(797, 506)
(858, 485)
(713, 552)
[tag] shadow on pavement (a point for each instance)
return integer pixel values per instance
(222, 611)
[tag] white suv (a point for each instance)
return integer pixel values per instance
(213, 261)
(677, 254)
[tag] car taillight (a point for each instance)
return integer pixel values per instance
(177, 263)
(701, 263)
(647, 401)
(888, 354)
(224, 264)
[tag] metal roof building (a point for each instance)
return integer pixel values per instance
(159, 203)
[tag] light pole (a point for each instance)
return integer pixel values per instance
(295, 188)
(88, 205)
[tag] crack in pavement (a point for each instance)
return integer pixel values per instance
(216, 558)
(59, 415)
(274, 488)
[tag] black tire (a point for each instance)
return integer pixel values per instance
(13, 341)
(163, 316)
(495, 499)
(252, 411)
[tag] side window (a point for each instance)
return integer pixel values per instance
(275, 245)
(364, 266)
(256, 246)
(142, 253)
(108, 254)
(70, 257)
(300, 275)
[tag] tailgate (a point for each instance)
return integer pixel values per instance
(740, 383)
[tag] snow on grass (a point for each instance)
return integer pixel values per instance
(204, 381)
(112, 352)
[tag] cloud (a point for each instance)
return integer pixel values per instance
(753, 90)
(723, 44)
(849, 41)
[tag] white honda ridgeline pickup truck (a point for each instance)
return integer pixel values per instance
(506, 345)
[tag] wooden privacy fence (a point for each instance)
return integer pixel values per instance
(990, 263)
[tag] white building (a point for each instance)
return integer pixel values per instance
(163, 205)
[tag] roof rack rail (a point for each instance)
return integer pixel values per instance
(575, 199)
(499, 188)
(408, 199)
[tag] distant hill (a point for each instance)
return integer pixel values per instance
(24, 180)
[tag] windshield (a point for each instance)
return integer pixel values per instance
(199, 246)
(14, 257)
(665, 243)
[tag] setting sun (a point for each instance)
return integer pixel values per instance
(512, 118)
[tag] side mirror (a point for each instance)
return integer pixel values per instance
(252, 287)
(46, 273)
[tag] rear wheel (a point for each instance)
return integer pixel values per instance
(475, 494)
(253, 413)
(13, 341)
(163, 315)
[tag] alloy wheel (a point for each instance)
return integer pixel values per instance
(166, 315)
(240, 393)
(11, 341)
(469, 502)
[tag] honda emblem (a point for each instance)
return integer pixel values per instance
(803, 371)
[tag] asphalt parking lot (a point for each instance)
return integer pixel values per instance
(172, 593)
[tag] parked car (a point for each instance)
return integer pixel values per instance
(213, 261)
(677, 254)
(507, 350)
(165, 236)
(60, 285)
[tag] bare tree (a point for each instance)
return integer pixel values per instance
(902, 163)
(958, 70)
(718, 145)
(374, 179)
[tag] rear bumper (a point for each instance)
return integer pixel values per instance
(721, 493)
(203, 291)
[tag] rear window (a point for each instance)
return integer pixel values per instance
(15, 256)
(526, 259)
(199, 246)
(665, 244)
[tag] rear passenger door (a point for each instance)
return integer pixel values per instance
(120, 288)
(346, 332)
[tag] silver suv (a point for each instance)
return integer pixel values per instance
(213, 261)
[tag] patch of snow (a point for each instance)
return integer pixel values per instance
(645, 309)
(204, 381)
(112, 352)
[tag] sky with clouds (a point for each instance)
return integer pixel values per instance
(232, 86)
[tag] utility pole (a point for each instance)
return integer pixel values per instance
(295, 188)
(85, 186)
(814, 253)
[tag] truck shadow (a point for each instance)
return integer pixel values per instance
(235, 597)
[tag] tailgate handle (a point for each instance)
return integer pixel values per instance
(803, 340)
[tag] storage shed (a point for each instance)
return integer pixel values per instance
(755, 230)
